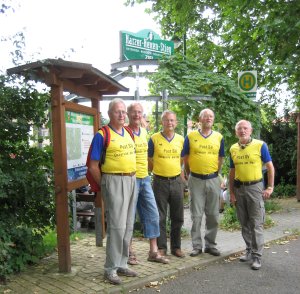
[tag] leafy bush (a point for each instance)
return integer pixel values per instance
(26, 190)
(281, 136)
(283, 190)
(19, 246)
(272, 206)
(230, 222)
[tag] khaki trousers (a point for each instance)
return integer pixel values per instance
(119, 196)
(250, 209)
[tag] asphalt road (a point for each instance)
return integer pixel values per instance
(280, 274)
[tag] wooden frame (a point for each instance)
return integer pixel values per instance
(81, 79)
(69, 106)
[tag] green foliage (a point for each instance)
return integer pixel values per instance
(138, 230)
(283, 190)
(230, 222)
(26, 171)
(26, 190)
(49, 241)
(281, 136)
(272, 206)
(187, 78)
(19, 246)
(231, 36)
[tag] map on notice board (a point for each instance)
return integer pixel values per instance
(79, 135)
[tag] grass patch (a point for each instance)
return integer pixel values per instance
(138, 230)
(272, 205)
(50, 240)
(229, 221)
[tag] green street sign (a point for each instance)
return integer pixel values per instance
(251, 95)
(247, 82)
(145, 44)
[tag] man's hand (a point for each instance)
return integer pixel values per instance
(267, 193)
(232, 198)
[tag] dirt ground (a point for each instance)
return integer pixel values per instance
(288, 203)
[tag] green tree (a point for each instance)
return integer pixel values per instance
(27, 170)
(230, 36)
(281, 136)
(26, 189)
(185, 77)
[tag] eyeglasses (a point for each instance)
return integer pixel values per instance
(120, 112)
(136, 112)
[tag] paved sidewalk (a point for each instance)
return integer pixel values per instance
(87, 262)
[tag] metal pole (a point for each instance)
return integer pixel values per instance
(156, 116)
(137, 78)
(185, 116)
(165, 99)
(298, 157)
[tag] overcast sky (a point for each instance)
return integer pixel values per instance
(81, 31)
(91, 28)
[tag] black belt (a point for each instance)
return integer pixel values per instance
(238, 183)
(167, 178)
(120, 174)
(205, 177)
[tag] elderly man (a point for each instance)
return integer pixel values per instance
(247, 191)
(146, 205)
(165, 158)
(118, 186)
(203, 159)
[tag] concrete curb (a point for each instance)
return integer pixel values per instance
(88, 260)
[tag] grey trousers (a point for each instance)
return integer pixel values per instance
(204, 198)
(250, 209)
(119, 195)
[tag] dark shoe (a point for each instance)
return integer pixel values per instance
(162, 252)
(178, 253)
(195, 252)
(112, 278)
(126, 272)
(212, 251)
(156, 257)
(256, 265)
(246, 257)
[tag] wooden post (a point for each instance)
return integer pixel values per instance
(60, 178)
(298, 157)
(99, 205)
(84, 80)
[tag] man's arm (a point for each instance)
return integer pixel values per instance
(186, 154)
(220, 163)
(150, 164)
(95, 170)
(150, 154)
(231, 185)
(186, 165)
(271, 174)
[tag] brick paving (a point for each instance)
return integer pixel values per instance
(87, 262)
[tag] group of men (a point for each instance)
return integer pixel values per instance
(126, 186)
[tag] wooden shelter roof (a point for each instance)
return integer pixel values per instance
(79, 78)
